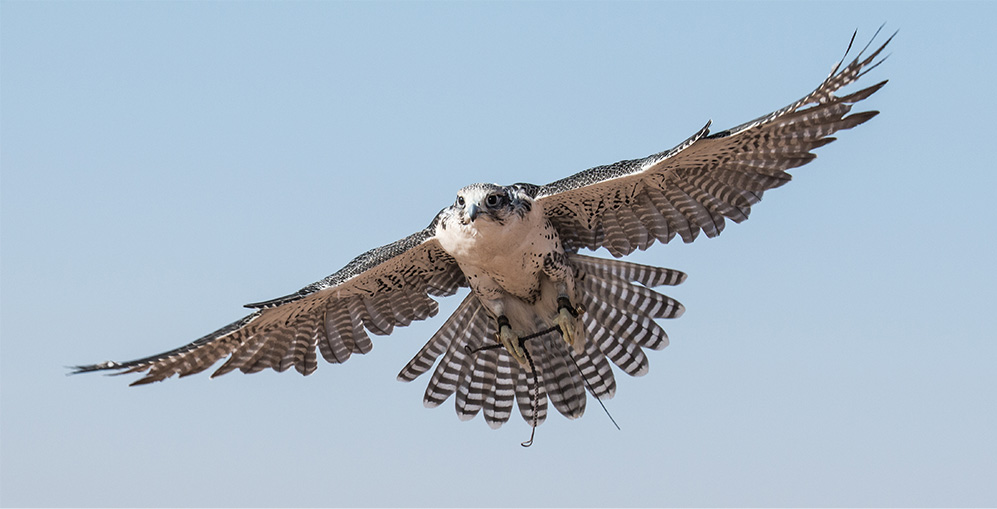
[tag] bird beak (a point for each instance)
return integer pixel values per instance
(473, 211)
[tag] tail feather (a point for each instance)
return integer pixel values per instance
(626, 354)
(619, 319)
(624, 320)
(559, 375)
(475, 384)
(450, 370)
(637, 299)
(596, 371)
(440, 341)
(498, 403)
(647, 275)
(525, 385)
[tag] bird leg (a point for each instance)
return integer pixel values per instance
(557, 267)
(567, 322)
(510, 340)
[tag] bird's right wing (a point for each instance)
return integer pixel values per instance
(385, 287)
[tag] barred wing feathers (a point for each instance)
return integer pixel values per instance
(383, 288)
(706, 179)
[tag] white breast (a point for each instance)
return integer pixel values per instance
(509, 254)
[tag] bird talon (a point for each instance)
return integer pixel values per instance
(566, 321)
(510, 340)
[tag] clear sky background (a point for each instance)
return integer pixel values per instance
(165, 163)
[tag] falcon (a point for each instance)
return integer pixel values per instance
(542, 321)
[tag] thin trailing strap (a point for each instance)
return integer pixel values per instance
(533, 372)
(533, 375)
(536, 394)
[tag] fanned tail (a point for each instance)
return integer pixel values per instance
(619, 319)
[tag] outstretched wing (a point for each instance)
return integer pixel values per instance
(380, 289)
(693, 187)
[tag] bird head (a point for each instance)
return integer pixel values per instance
(491, 202)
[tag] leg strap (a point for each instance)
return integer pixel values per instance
(564, 303)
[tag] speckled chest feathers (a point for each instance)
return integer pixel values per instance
(502, 242)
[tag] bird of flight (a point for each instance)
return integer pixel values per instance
(542, 321)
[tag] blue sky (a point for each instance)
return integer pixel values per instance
(165, 163)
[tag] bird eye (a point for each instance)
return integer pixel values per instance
(493, 200)
(460, 201)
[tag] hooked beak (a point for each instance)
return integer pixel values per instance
(473, 211)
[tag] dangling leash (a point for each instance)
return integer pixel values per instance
(533, 371)
(533, 375)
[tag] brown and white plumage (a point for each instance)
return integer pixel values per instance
(622, 207)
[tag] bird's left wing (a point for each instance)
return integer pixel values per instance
(380, 289)
(693, 187)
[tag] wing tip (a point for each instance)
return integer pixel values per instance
(860, 118)
(144, 381)
(90, 368)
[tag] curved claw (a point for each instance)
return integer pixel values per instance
(510, 341)
(568, 323)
